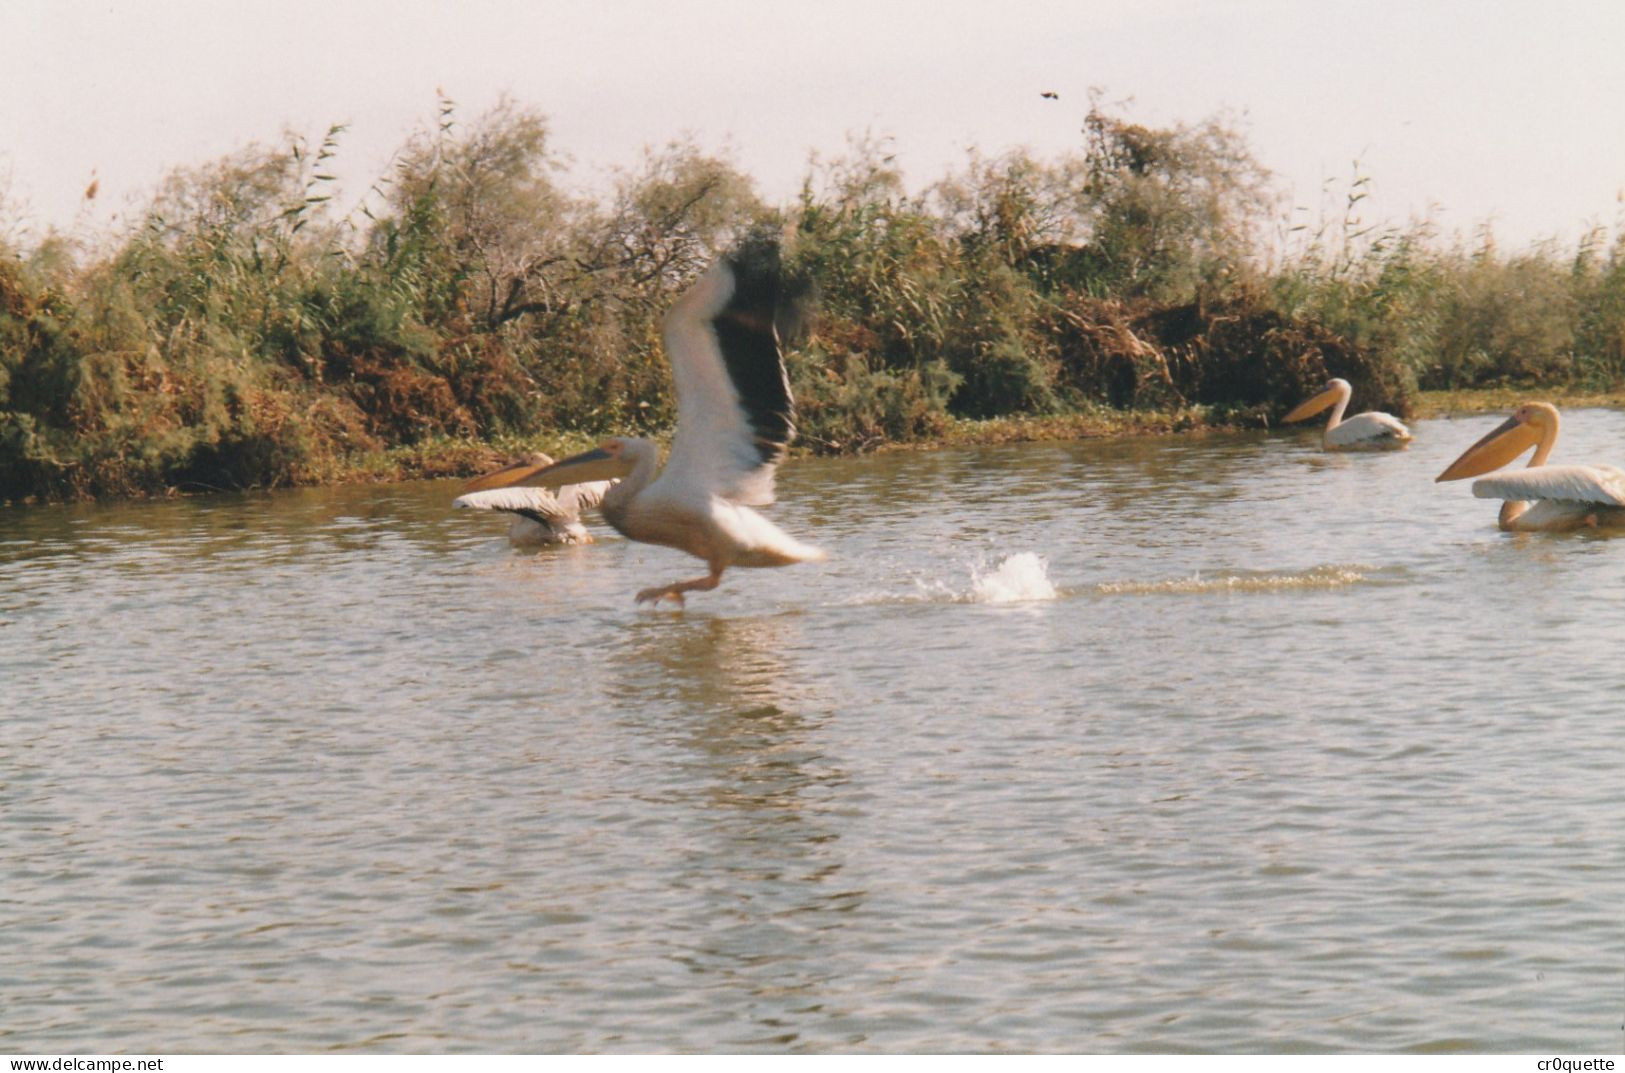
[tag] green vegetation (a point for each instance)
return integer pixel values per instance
(245, 333)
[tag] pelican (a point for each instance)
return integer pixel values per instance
(539, 515)
(735, 418)
(1564, 497)
(1371, 431)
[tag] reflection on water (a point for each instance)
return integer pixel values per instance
(759, 861)
(1212, 743)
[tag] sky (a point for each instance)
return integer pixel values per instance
(1467, 113)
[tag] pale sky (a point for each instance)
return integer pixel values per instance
(1490, 110)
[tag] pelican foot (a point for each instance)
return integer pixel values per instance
(675, 591)
(654, 596)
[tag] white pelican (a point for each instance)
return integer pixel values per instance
(1371, 431)
(539, 515)
(1564, 497)
(735, 418)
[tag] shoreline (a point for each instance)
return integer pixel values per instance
(450, 459)
(1431, 404)
(465, 458)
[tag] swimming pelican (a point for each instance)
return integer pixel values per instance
(1564, 497)
(735, 418)
(1371, 431)
(539, 515)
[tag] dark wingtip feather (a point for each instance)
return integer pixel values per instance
(767, 306)
(764, 281)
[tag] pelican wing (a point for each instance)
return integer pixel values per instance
(1603, 485)
(1370, 427)
(734, 413)
(541, 504)
(586, 495)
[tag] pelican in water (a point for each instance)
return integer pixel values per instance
(735, 419)
(1563, 497)
(540, 516)
(1370, 431)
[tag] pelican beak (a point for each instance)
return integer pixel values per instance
(594, 465)
(511, 474)
(1507, 441)
(1311, 407)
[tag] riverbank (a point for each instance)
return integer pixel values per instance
(1484, 400)
(455, 458)
(462, 458)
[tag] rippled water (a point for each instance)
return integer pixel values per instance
(1205, 743)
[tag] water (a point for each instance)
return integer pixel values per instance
(1207, 743)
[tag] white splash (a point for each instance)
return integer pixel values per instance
(1023, 576)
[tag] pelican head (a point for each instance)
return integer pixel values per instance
(1530, 424)
(1327, 397)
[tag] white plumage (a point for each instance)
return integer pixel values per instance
(1372, 430)
(715, 446)
(1597, 485)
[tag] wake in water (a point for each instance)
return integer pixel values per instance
(1320, 577)
(1024, 577)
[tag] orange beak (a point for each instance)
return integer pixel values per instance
(594, 465)
(1501, 445)
(511, 474)
(1311, 407)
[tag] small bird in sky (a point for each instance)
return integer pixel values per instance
(1050, 95)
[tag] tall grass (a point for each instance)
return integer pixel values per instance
(1463, 314)
(243, 331)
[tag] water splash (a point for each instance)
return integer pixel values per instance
(1320, 577)
(1016, 579)
(1023, 576)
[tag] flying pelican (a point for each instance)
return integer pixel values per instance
(1371, 431)
(735, 418)
(1564, 497)
(539, 515)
